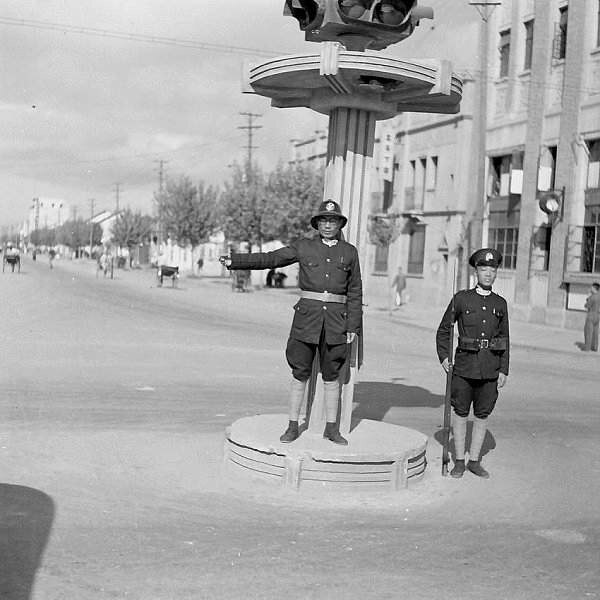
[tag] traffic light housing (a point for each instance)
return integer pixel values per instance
(357, 24)
(552, 203)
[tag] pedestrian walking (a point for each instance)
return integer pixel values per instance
(328, 315)
(592, 319)
(397, 288)
(481, 360)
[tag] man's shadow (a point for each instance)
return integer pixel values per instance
(26, 516)
(374, 399)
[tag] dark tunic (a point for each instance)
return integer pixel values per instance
(322, 268)
(478, 317)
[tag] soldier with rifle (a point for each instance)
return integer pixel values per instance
(481, 360)
(328, 315)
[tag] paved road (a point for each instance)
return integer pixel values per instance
(115, 396)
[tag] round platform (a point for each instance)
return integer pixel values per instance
(379, 456)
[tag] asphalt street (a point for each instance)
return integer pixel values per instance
(115, 395)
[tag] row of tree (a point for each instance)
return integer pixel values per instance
(252, 207)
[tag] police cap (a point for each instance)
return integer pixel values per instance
(486, 257)
(328, 208)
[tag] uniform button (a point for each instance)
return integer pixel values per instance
(483, 334)
(326, 274)
(324, 308)
(484, 321)
(483, 307)
(328, 259)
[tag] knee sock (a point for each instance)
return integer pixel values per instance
(297, 389)
(459, 432)
(331, 396)
(477, 437)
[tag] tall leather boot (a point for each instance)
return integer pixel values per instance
(331, 396)
(297, 389)
(477, 437)
(459, 432)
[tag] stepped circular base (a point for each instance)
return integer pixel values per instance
(379, 456)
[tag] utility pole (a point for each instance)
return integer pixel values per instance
(117, 189)
(91, 224)
(249, 173)
(250, 127)
(485, 8)
(161, 186)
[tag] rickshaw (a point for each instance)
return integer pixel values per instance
(163, 271)
(11, 256)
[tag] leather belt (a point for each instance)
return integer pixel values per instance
(476, 344)
(323, 296)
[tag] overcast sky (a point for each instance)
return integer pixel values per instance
(80, 112)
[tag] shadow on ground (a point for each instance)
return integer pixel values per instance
(26, 516)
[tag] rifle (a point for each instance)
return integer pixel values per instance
(448, 396)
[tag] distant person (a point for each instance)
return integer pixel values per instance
(270, 275)
(398, 288)
(51, 257)
(590, 329)
(279, 279)
(200, 264)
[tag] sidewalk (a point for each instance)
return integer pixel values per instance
(524, 335)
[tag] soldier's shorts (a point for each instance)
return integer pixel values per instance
(300, 357)
(482, 393)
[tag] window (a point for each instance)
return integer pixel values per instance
(528, 44)
(432, 173)
(504, 52)
(593, 174)
(500, 173)
(505, 240)
(598, 27)
(381, 258)
(590, 255)
(422, 182)
(416, 250)
(560, 39)
(547, 169)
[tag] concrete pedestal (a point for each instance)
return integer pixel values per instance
(379, 456)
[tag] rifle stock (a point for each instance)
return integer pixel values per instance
(448, 395)
(447, 415)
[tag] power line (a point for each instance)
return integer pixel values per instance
(133, 37)
(250, 127)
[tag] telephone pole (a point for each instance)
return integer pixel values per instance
(117, 190)
(91, 224)
(161, 187)
(250, 127)
(485, 8)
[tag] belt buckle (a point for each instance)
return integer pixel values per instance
(326, 294)
(484, 344)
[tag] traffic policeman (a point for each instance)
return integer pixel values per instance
(328, 315)
(481, 359)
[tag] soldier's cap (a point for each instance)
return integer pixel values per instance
(485, 257)
(328, 208)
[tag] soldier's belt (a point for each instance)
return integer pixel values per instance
(323, 296)
(476, 344)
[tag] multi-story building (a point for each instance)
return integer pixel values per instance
(542, 141)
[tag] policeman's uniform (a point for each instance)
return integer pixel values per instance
(330, 304)
(482, 352)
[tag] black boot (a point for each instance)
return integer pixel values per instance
(475, 467)
(291, 433)
(332, 433)
(458, 469)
